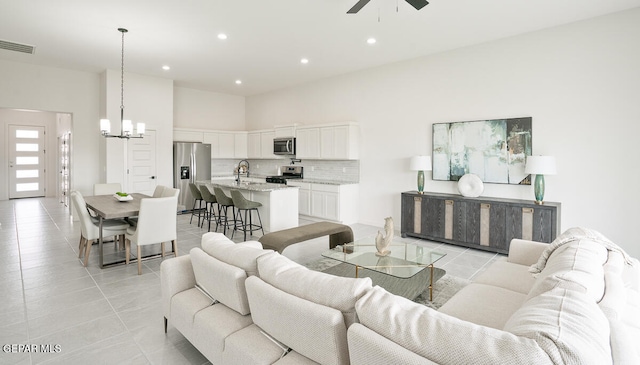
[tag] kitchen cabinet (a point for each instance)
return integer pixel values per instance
(337, 203)
(285, 131)
(304, 196)
(260, 144)
(329, 142)
(266, 139)
(254, 145)
(180, 135)
(483, 223)
(308, 143)
(240, 145)
(226, 144)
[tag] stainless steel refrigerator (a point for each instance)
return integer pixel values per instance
(191, 163)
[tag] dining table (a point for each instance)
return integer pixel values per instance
(109, 207)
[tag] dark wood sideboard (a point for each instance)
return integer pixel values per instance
(483, 223)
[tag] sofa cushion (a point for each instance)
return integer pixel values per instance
(315, 331)
(441, 338)
(567, 324)
(212, 325)
(366, 347)
(507, 275)
(328, 290)
(484, 304)
(242, 255)
(221, 281)
(621, 306)
(577, 265)
(251, 347)
(184, 307)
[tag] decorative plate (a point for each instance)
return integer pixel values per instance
(123, 198)
(470, 186)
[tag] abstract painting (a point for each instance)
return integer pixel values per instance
(495, 150)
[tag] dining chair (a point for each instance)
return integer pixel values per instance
(90, 227)
(157, 193)
(157, 223)
(169, 192)
(248, 206)
(197, 196)
(209, 201)
(224, 202)
(106, 188)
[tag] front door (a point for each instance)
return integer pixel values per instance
(26, 161)
(141, 164)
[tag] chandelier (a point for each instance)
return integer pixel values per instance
(126, 126)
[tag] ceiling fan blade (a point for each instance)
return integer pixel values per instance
(418, 4)
(359, 5)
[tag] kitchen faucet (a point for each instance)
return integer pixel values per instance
(247, 165)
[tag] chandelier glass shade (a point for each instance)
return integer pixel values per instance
(126, 125)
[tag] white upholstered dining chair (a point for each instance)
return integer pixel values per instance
(157, 193)
(90, 229)
(157, 223)
(106, 188)
(167, 192)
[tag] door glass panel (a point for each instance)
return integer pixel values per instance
(26, 147)
(27, 160)
(27, 187)
(23, 174)
(21, 133)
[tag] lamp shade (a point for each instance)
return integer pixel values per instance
(540, 165)
(420, 163)
(105, 126)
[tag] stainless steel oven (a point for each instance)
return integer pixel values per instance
(284, 146)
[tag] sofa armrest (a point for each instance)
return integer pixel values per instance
(525, 252)
(176, 275)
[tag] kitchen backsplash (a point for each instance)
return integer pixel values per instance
(343, 170)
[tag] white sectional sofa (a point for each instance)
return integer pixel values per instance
(582, 308)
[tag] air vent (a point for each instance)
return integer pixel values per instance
(17, 47)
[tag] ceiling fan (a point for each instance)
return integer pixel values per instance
(418, 4)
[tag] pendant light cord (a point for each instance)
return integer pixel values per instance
(123, 31)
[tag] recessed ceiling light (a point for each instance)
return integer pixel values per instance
(222, 36)
(371, 40)
(304, 60)
(166, 68)
(238, 82)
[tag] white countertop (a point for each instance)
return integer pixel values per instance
(251, 186)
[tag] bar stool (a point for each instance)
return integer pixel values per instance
(209, 201)
(224, 202)
(242, 204)
(198, 198)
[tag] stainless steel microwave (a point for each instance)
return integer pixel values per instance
(284, 146)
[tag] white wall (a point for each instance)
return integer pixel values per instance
(579, 82)
(26, 86)
(208, 110)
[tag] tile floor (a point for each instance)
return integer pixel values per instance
(111, 316)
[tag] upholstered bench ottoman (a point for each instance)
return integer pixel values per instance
(338, 234)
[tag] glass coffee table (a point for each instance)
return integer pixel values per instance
(404, 266)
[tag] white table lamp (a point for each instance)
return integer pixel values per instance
(420, 164)
(540, 166)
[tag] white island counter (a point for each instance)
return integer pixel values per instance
(279, 202)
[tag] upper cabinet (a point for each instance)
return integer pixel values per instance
(184, 135)
(285, 131)
(227, 144)
(330, 142)
(260, 144)
(308, 143)
(338, 141)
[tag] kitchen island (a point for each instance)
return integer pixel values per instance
(279, 208)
